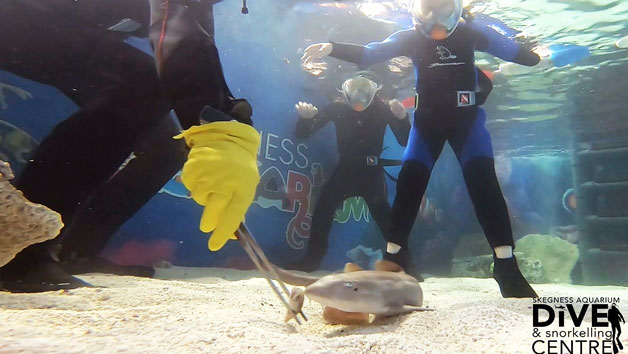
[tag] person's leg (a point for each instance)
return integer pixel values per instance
(123, 98)
(157, 158)
(617, 328)
(472, 144)
(76, 158)
(374, 191)
(425, 143)
(376, 197)
(333, 193)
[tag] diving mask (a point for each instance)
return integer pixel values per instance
(437, 19)
(359, 92)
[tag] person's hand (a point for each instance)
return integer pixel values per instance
(316, 51)
(306, 110)
(221, 174)
(397, 108)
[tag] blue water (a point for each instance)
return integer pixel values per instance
(535, 117)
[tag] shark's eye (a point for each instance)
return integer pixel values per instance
(355, 289)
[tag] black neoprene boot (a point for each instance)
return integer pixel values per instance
(101, 265)
(511, 282)
(38, 276)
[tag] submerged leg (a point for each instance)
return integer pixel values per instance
(332, 195)
(472, 145)
(425, 144)
(157, 158)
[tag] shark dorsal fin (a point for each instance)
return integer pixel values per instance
(352, 267)
(387, 266)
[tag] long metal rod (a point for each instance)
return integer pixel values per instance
(252, 248)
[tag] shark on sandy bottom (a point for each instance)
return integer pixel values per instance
(349, 297)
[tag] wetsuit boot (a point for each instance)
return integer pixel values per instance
(511, 282)
(85, 265)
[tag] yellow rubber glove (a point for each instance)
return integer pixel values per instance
(221, 174)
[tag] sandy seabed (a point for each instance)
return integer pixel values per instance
(209, 310)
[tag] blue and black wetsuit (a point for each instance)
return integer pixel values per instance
(446, 112)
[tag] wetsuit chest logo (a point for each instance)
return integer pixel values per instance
(444, 53)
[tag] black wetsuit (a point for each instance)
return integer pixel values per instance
(447, 112)
(123, 107)
(359, 172)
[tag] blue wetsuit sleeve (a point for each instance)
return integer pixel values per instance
(397, 44)
(490, 41)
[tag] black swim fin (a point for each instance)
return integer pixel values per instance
(102, 265)
(37, 277)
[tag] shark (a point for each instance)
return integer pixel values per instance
(349, 297)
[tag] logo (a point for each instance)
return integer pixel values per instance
(576, 325)
(465, 98)
(444, 53)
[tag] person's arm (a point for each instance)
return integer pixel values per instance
(485, 86)
(490, 41)
(188, 62)
(221, 171)
(308, 126)
(397, 44)
(398, 120)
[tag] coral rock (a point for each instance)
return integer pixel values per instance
(557, 256)
(22, 223)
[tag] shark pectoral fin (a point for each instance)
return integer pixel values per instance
(352, 267)
(410, 308)
(387, 266)
(334, 316)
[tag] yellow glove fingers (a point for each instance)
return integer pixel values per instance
(215, 207)
(233, 216)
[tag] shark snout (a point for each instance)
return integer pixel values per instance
(337, 293)
(316, 291)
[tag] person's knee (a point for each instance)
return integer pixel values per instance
(480, 168)
(412, 175)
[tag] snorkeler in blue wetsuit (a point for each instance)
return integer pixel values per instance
(442, 47)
